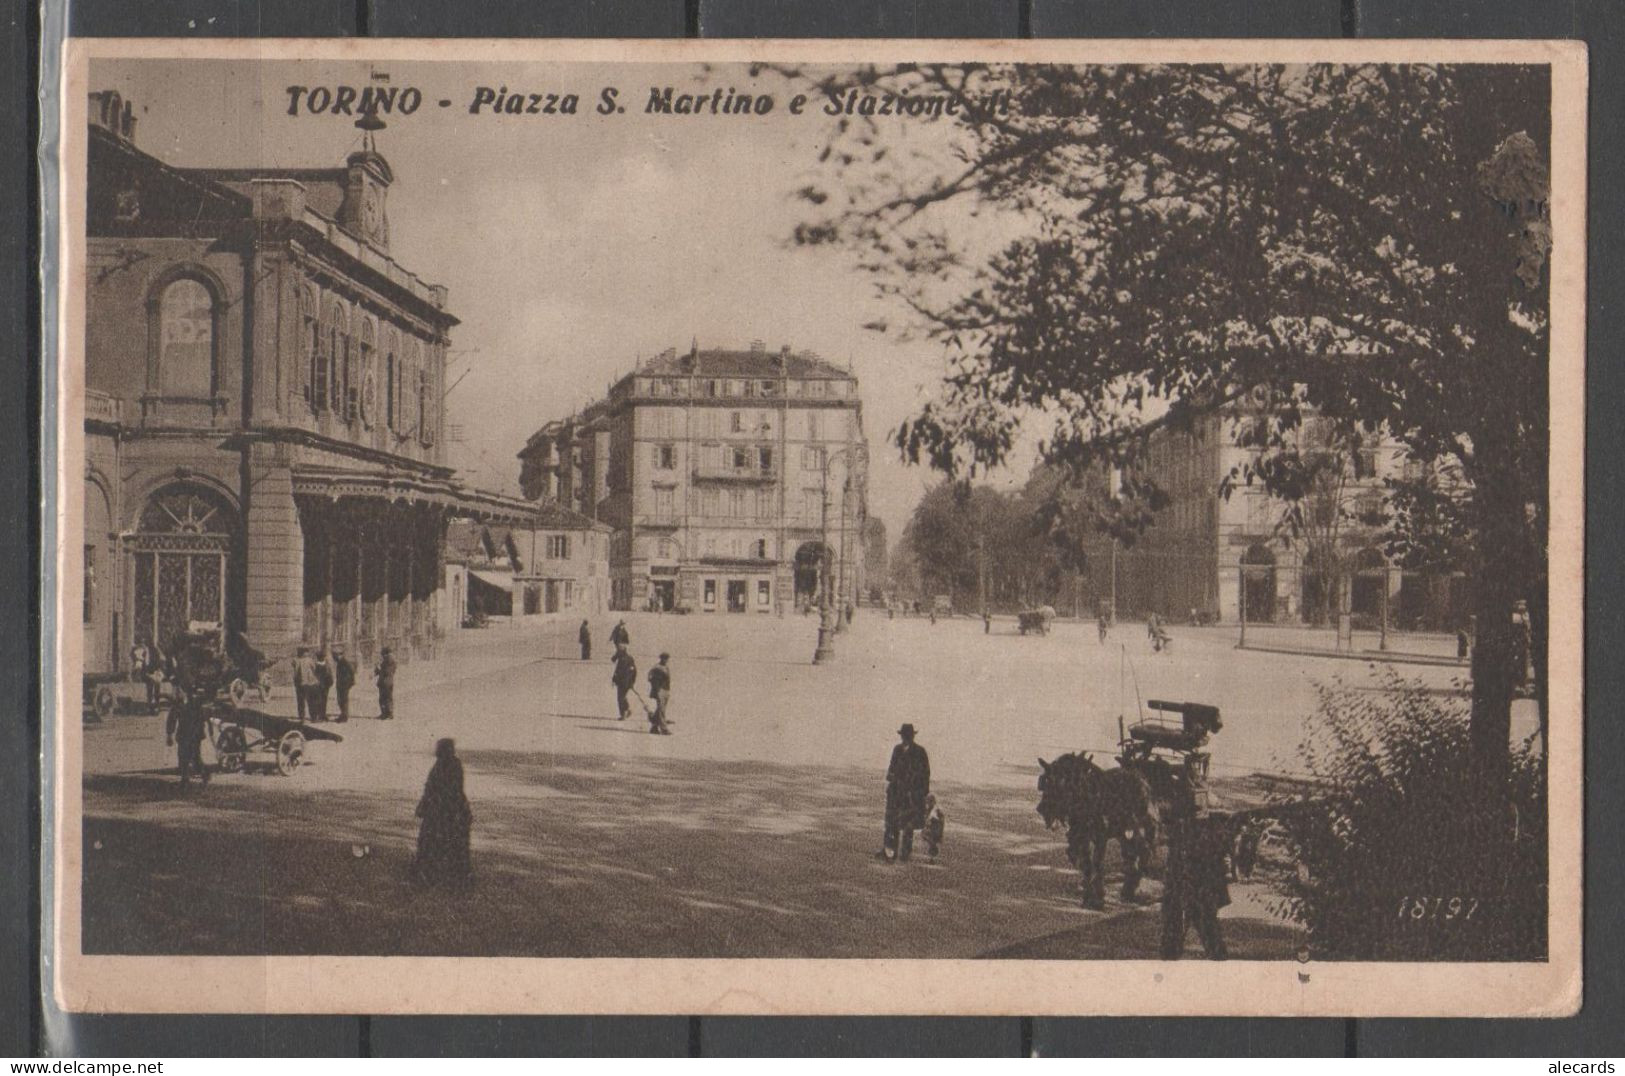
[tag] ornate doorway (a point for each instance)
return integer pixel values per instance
(182, 553)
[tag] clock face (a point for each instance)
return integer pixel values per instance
(372, 209)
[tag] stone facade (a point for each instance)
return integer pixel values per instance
(729, 478)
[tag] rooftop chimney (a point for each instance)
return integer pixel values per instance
(757, 347)
(110, 111)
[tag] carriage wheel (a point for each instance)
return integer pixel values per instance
(103, 702)
(290, 752)
(231, 749)
(264, 686)
(238, 691)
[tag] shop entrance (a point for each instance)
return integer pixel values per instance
(738, 595)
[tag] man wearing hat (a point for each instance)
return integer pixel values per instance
(908, 782)
(343, 680)
(384, 673)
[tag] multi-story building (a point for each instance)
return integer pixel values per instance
(1234, 557)
(262, 408)
(731, 478)
(557, 563)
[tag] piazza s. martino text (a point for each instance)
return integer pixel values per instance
(661, 101)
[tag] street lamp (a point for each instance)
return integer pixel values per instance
(826, 611)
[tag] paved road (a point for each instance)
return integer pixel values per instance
(749, 831)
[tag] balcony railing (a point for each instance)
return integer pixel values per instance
(712, 473)
(102, 407)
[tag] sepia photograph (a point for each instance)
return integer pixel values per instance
(860, 527)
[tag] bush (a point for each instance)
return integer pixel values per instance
(1410, 860)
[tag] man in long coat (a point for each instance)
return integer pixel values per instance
(384, 673)
(584, 637)
(620, 636)
(908, 782)
(304, 682)
(185, 729)
(324, 685)
(625, 678)
(343, 680)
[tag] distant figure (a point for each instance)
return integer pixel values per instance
(660, 694)
(584, 637)
(304, 682)
(343, 680)
(1196, 885)
(620, 636)
(443, 834)
(384, 673)
(1101, 626)
(1153, 626)
(933, 614)
(908, 782)
(987, 623)
(625, 678)
(324, 684)
(851, 611)
(935, 820)
(147, 661)
(1461, 644)
(184, 730)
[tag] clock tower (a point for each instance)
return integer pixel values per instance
(366, 187)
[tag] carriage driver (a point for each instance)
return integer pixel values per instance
(908, 782)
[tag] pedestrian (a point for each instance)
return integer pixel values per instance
(625, 678)
(987, 622)
(908, 782)
(660, 692)
(584, 636)
(1196, 885)
(151, 671)
(1461, 644)
(343, 680)
(935, 822)
(184, 730)
(851, 611)
(1101, 626)
(324, 684)
(304, 682)
(384, 673)
(446, 822)
(620, 636)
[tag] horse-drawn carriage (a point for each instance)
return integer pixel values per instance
(245, 738)
(204, 663)
(1160, 778)
(1036, 621)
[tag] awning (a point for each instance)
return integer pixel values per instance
(500, 580)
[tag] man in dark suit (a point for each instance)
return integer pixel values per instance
(324, 684)
(385, 675)
(625, 678)
(343, 680)
(908, 782)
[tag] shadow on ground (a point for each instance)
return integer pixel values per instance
(579, 856)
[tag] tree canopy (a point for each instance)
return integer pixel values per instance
(1127, 247)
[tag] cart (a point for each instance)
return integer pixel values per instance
(1036, 621)
(245, 738)
(204, 664)
(1167, 745)
(100, 700)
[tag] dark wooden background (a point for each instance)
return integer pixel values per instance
(29, 1026)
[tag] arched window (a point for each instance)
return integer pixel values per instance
(309, 342)
(366, 382)
(186, 340)
(323, 367)
(389, 390)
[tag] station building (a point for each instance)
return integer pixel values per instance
(263, 408)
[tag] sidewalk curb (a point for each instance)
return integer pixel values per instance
(1363, 655)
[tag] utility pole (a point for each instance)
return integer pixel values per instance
(825, 651)
(1241, 576)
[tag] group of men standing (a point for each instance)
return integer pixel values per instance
(318, 674)
(625, 677)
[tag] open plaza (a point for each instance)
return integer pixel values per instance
(751, 831)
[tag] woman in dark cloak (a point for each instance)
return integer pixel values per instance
(443, 835)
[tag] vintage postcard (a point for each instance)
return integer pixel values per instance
(819, 527)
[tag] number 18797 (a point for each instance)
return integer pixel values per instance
(1434, 908)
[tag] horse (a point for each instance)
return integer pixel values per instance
(1098, 806)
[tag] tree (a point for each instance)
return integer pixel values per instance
(1113, 249)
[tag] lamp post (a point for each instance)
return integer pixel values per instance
(826, 608)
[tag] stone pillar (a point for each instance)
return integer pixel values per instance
(275, 554)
